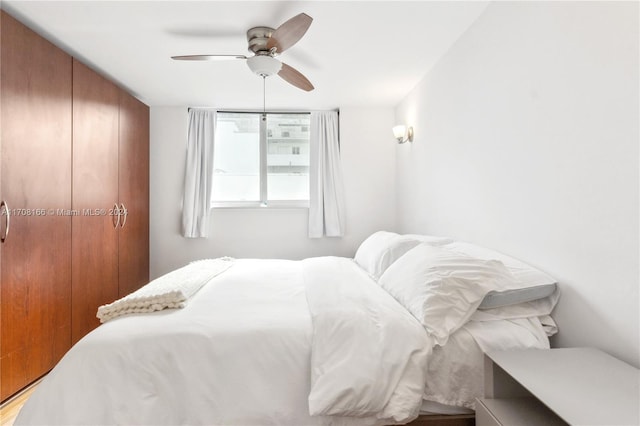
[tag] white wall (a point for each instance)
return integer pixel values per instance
(368, 159)
(526, 141)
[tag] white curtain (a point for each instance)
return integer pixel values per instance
(326, 204)
(198, 177)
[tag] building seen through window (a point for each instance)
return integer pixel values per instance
(261, 161)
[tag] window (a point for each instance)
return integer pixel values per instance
(261, 162)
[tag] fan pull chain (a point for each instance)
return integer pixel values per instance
(264, 98)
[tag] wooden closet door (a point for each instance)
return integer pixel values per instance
(95, 191)
(134, 194)
(35, 136)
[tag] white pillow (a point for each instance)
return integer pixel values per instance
(433, 240)
(534, 284)
(381, 249)
(526, 274)
(443, 288)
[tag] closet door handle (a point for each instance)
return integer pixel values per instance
(5, 206)
(125, 213)
(116, 212)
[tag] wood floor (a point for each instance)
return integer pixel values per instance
(10, 409)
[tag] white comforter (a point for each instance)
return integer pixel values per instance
(369, 354)
(244, 352)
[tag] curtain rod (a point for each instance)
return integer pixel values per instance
(248, 111)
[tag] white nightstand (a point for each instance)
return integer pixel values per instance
(576, 386)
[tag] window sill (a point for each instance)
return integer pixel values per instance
(256, 205)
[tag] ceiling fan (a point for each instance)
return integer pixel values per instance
(266, 43)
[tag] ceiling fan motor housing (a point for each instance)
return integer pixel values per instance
(263, 63)
(258, 37)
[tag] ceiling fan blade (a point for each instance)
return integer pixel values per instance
(288, 34)
(294, 77)
(207, 57)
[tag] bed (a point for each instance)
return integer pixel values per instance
(321, 341)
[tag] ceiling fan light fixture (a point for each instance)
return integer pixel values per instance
(264, 65)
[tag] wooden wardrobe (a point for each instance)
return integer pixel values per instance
(74, 185)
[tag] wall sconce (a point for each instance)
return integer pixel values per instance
(400, 131)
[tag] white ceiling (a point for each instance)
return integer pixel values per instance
(356, 53)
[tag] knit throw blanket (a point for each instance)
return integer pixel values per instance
(170, 291)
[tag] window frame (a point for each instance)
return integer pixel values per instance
(264, 202)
